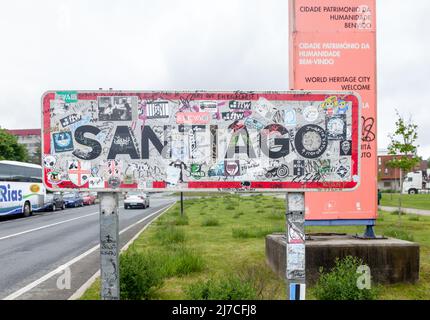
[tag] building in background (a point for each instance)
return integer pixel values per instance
(389, 178)
(30, 138)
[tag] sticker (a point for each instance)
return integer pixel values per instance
(73, 118)
(193, 117)
(208, 106)
(345, 148)
(294, 233)
(157, 110)
(54, 177)
(196, 171)
(49, 161)
(264, 108)
(290, 118)
(311, 141)
(67, 96)
(342, 171)
(79, 171)
(63, 141)
(96, 183)
(336, 127)
(173, 175)
(329, 105)
(310, 114)
(233, 115)
(242, 105)
(298, 167)
(254, 124)
(296, 257)
(114, 182)
(115, 108)
(114, 168)
(342, 107)
(217, 171)
(277, 172)
(232, 168)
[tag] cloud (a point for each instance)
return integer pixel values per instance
(194, 44)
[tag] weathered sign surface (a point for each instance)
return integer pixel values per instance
(118, 140)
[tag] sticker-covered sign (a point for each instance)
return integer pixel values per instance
(237, 141)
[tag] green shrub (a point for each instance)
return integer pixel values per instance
(341, 282)
(185, 261)
(170, 234)
(140, 275)
(210, 222)
(230, 288)
(398, 234)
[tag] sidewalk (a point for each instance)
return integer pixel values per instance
(406, 210)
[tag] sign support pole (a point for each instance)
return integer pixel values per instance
(295, 246)
(182, 204)
(109, 246)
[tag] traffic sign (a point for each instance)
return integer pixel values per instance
(203, 140)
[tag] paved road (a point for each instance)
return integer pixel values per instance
(31, 248)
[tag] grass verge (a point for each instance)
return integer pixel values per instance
(236, 248)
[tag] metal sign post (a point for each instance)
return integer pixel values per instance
(182, 204)
(109, 246)
(295, 246)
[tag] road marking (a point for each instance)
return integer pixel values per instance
(49, 275)
(94, 277)
(47, 226)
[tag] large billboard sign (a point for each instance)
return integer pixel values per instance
(244, 141)
(333, 47)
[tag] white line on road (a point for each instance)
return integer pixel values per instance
(35, 283)
(47, 226)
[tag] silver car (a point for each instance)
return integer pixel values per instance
(136, 200)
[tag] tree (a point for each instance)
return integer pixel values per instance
(10, 149)
(403, 147)
(37, 157)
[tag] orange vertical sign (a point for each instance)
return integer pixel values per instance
(333, 47)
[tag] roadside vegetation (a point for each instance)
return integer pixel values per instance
(415, 201)
(215, 252)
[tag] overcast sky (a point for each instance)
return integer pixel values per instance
(229, 45)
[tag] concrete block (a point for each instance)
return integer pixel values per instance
(390, 260)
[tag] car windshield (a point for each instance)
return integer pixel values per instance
(67, 196)
(49, 196)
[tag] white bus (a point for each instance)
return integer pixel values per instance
(21, 188)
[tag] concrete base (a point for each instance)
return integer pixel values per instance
(390, 260)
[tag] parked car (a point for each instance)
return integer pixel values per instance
(53, 201)
(89, 198)
(73, 199)
(136, 200)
